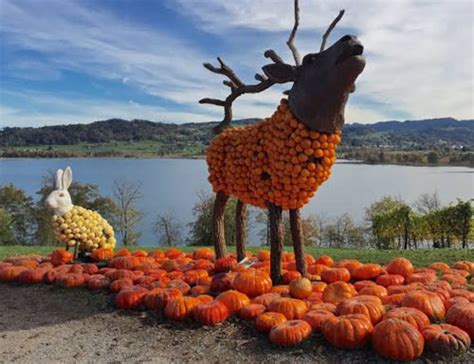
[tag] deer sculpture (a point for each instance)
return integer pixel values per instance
(280, 162)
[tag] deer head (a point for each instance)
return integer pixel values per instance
(321, 83)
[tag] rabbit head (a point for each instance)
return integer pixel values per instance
(60, 200)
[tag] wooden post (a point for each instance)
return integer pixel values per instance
(276, 241)
(218, 229)
(295, 226)
(240, 229)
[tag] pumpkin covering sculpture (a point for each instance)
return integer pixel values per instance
(280, 162)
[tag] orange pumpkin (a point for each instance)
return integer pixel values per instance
(462, 316)
(179, 284)
(119, 284)
(446, 339)
(263, 255)
(31, 276)
(211, 313)
(371, 306)
(131, 298)
(323, 306)
(290, 307)
(349, 264)
(424, 278)
(102, 254)
(98, 283)
(290, 332)
(374, 290)
(61, 256)
(367, 271)
(225, 264)
(400, 266)
(301, 288)
(70, 280)
(338, 291)
(390, 280)
(316, 317)
(233, 300)
(397, 340)
(347, 331)
(252, 311)
(203, 253)
(427, 302)
(180, 308)
(158, 298)
(266, 298)
(252, 282)
(411, 315)
(266, 321)
(325, 260)
(335, 274)
(362, 284)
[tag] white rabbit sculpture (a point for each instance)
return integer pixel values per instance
(76, 226)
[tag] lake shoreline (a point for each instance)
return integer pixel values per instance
(203, 157)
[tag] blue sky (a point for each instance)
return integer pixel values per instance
(82, 61)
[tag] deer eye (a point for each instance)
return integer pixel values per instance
(61, 194)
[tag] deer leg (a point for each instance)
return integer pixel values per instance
(276, 241)
(218, 224)
(295, 226)
(240, 229)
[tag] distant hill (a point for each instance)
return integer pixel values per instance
(412, 134)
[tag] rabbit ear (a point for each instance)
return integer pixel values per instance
(67, 178)
(59, 179)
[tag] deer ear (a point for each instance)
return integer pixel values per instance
(280, 72)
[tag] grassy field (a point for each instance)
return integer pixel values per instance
(420, 258)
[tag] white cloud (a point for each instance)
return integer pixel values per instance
(48, 109)
(420, 53)
(420, 56)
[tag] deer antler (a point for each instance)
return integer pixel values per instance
(290, 42)
(239, 88)
(329, 30)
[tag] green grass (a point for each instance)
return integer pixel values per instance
(420, 258)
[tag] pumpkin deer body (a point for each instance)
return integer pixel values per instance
(278, 160)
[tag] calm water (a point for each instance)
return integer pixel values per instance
(172, 184)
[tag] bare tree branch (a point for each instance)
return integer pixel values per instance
(290, 42)
(329, 30)
(212, 101)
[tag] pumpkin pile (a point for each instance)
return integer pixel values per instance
(84, 228)
(277, 160)
(402, 311)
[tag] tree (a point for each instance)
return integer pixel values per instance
(168, 229)
(462, 221)
(427, 203)
(343, 232)
(126, 215)
(82, 194)
(201, 227)
(6, 228)
(19, 208)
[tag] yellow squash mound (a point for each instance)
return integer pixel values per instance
(83, 227)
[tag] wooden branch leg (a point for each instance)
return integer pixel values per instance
(75, 250)
(276, 241)
(240, 229)
(218, 224)
(295, 226)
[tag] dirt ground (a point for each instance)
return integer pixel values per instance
(45, 324)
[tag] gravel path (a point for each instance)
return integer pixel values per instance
(45, 324)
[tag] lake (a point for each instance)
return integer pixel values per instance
(173, 184)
